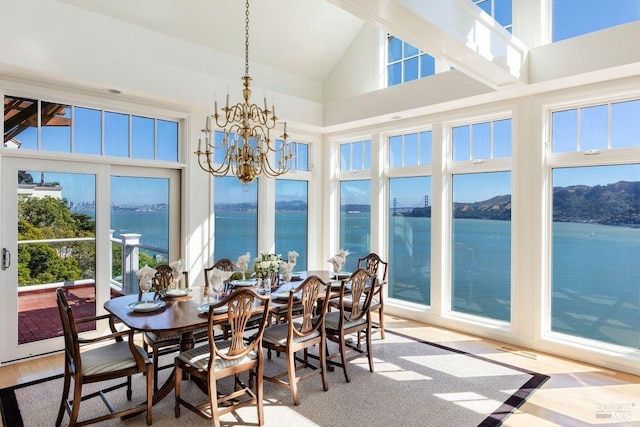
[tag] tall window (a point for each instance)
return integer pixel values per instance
(596, 247)
(481, 239)
(96, 132)
(500, 10)
(355, 220)
(596, 223)
(481, 219)
(571, 18)
(236, 218)
(292, 216)
(410, 239)
(406, 62)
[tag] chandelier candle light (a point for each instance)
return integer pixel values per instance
(246, 143)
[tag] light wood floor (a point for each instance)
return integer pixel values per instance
(577, 394)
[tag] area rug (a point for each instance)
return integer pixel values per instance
(415, 383)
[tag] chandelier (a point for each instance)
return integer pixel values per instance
(246, 149)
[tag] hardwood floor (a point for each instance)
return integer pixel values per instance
(577, 394)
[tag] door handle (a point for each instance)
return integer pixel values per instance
(6, 258)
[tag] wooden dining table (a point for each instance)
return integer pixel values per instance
(180, 315)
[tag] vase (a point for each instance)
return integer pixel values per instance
(264, 286)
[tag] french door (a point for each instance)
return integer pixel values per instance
(61, 226)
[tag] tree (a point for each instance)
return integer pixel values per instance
(50, 218)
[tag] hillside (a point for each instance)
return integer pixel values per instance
(611, 204)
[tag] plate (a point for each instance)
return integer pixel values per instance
(341, 275)
(146, 306)
(284, 295)
(177, 292)
(244, 283)
(204, 308)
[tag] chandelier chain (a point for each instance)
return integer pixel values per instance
(246, 39)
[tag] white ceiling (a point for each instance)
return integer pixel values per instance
(316, 27)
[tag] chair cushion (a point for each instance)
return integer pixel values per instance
(277, 334)
(109, 358)
(332, 321)
(155, 339)
(198, 357)
(348, 303)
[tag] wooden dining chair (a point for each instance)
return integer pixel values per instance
(376, 266)
(154, 344)
(339, 324)
(223, 358)
(299, 332)
(116, 359)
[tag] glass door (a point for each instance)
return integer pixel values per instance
(48, 242)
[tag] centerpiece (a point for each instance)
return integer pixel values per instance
(265, 266)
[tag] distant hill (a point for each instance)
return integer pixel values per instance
(611, 204)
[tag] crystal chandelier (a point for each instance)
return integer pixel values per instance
(248, 149)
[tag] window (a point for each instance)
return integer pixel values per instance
(482, 141)
(500, 10)
(300, 151)
(411, 149)
(596, 127)
(406, 62)
(292, 216)
(571, 18)
(355, 156)
(596, 247)
(410, 239)
(481, 245)
(125, 135)
(236, 218)
(355, 220)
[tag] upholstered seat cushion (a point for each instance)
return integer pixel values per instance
(332, 321)
(198, 357)
(277, 334)
(109, 358)
(348, 303)
(154, 338)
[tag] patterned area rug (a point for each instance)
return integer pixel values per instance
(415, 383)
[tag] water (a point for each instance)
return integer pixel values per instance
(595, 279)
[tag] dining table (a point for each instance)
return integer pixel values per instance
(181, 314)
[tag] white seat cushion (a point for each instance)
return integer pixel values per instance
(277, 334)
(332, 321)
(110, 358)
(198, 357)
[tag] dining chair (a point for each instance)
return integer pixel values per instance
(301, 331)
(115, 359)
(219, 359)
(375, 265)
(224, 264)
(339, 324)
(161, 345)
(163, 279)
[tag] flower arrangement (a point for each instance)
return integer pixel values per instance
(338, 260)
(266, 264)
